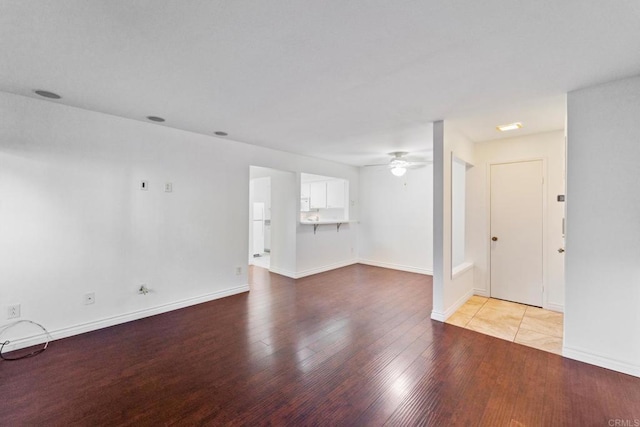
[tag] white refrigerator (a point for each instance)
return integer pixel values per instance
(258, 228)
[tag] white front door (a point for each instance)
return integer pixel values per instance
(516, 231)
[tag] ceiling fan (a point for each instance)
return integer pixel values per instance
(399, 163)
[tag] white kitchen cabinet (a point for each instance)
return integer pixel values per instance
(305, 190)
(318, 195)
(304, 197)
(323, 198)
(335, 194)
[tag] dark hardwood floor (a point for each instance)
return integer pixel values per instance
(354, 346)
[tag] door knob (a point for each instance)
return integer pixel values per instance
(494, 238)
(561, 250)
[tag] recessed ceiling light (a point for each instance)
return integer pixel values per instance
(510, 126)
(220, 133)
(155, 119)
(47, 94)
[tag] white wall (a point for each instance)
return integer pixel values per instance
(277, 189)
(550, 148)
(73, 220)
(602, 309)
(449, 292)
(327, 248)
(396, 223)
(458, 214)
(284, 217)
(322, 253)
(262, 191)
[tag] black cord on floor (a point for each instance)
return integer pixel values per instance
(24, 356)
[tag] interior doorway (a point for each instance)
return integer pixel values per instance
(273, 214)
(260, 221)
(517, 229)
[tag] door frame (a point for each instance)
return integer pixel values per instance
(545, 221)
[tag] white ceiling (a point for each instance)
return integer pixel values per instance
(342, 80)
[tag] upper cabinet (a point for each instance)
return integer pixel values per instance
(323, 198)
(318, 195)
(305, 197)
(305, 190)
(335, 194)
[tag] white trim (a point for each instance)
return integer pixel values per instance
(282, 272)
(554, 307)
(441, 317)
(436, 315)
(392, 266)
(585, 356)
(322, 269)
(459, 270)
(122, 318)
(481, 292)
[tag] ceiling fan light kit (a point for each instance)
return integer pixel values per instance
(398, 171)
(398, 164)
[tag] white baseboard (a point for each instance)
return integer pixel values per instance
(322, 269)
(121, 318)
(437, 315)
(393, 266)
(554, 307)
(585, 356)
(481, 292)
(311, 271)
(283, 272)
(459, 270)
(443, 316)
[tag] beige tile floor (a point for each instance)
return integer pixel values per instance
(523, 324)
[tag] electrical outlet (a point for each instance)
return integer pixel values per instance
(238, 271)
(89, 298)
(168, 187)
(13, 311)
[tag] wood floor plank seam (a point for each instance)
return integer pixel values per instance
(352, 346)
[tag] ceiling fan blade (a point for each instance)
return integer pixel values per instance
(416, 166)
(399, 160)
(419, 163)
(398, 154)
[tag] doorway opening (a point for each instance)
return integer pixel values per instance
(273, 205)
(260, 220)
(518, 228)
